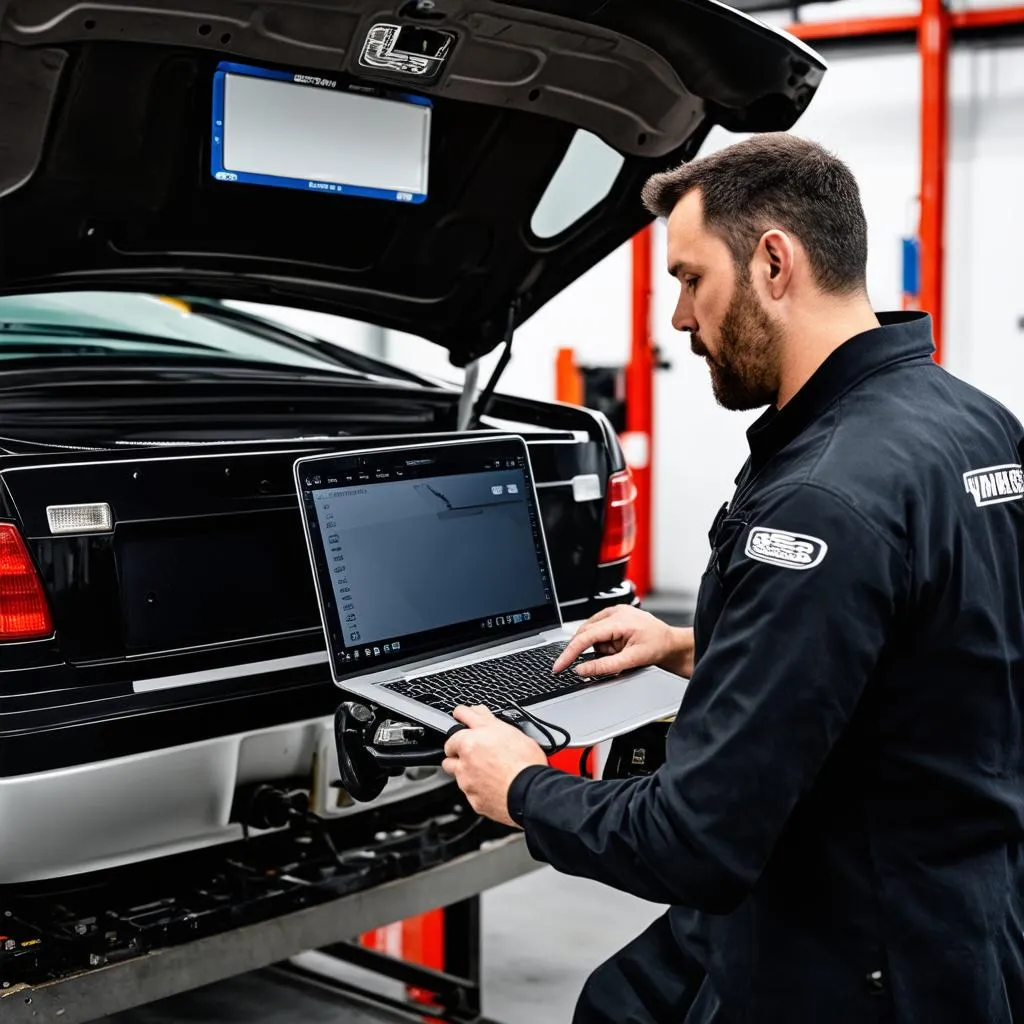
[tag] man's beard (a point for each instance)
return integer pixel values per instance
(745, 373)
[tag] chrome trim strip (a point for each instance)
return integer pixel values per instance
(213, 675)
(413, 439)
(143, 462)
(216, 645)
(579, 437)
(31, 640)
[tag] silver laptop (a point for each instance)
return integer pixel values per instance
(434, 584)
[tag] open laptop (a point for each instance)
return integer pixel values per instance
(435, 589)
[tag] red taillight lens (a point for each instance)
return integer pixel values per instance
(24, 613)
(619, 518)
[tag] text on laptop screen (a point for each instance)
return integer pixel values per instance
(418, 551)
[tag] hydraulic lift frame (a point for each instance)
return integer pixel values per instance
(329, 928)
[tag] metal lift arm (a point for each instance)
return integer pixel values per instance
(331, 925)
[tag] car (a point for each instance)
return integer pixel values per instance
(160, 643)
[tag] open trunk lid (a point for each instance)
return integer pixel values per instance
(108, 130)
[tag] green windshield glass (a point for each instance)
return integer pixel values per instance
(126, 323)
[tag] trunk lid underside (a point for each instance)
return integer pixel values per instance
(105, 128)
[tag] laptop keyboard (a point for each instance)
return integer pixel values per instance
(521, 678)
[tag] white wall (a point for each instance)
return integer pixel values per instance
(983, 341)
(592, 316)
(867, 111)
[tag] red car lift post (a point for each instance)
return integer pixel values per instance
(638, 437)
(934, 28)
(443, 939)
(638, 440)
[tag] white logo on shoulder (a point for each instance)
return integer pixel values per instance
(789, 550)
(994, 485)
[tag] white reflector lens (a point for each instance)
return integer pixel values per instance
(79, 518)
(586, 487)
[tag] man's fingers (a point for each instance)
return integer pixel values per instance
(449, 765)
(582, 641)
(453, 745)
(609, 665)
(587, 637)
(474, 716)
(586, 629)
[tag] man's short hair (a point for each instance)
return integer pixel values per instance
(780, 181)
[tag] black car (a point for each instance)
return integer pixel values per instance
(160, 644)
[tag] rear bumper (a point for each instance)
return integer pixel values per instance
(111, 813)
(79, 811)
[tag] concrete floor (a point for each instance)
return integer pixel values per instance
(543, 934)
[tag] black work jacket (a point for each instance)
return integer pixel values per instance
(840, 821)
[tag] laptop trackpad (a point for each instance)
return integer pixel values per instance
(613, 708)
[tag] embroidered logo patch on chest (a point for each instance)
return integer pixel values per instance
(994, 485)
(785, 549)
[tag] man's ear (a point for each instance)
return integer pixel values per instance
(775, 253)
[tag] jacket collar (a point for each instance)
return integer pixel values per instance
(903, 336)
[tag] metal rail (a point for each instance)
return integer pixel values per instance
(166, 972)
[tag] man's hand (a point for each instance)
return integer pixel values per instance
(625, 637)
(485, 759)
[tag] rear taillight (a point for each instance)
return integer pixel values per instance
(24, 613)
(619, 518)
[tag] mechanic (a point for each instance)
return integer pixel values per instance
(838, 827)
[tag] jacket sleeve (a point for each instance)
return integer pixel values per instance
(807, 598)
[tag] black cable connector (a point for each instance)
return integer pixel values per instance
(271, 807)
(546, 728)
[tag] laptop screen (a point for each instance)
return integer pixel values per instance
(424, 549)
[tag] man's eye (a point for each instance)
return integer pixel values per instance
(690, 283)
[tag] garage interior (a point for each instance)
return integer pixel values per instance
(925, 102)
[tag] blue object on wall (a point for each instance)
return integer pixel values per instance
(911, 268)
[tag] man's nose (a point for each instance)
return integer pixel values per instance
(683, 318)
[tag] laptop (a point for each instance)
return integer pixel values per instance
(435, 589)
